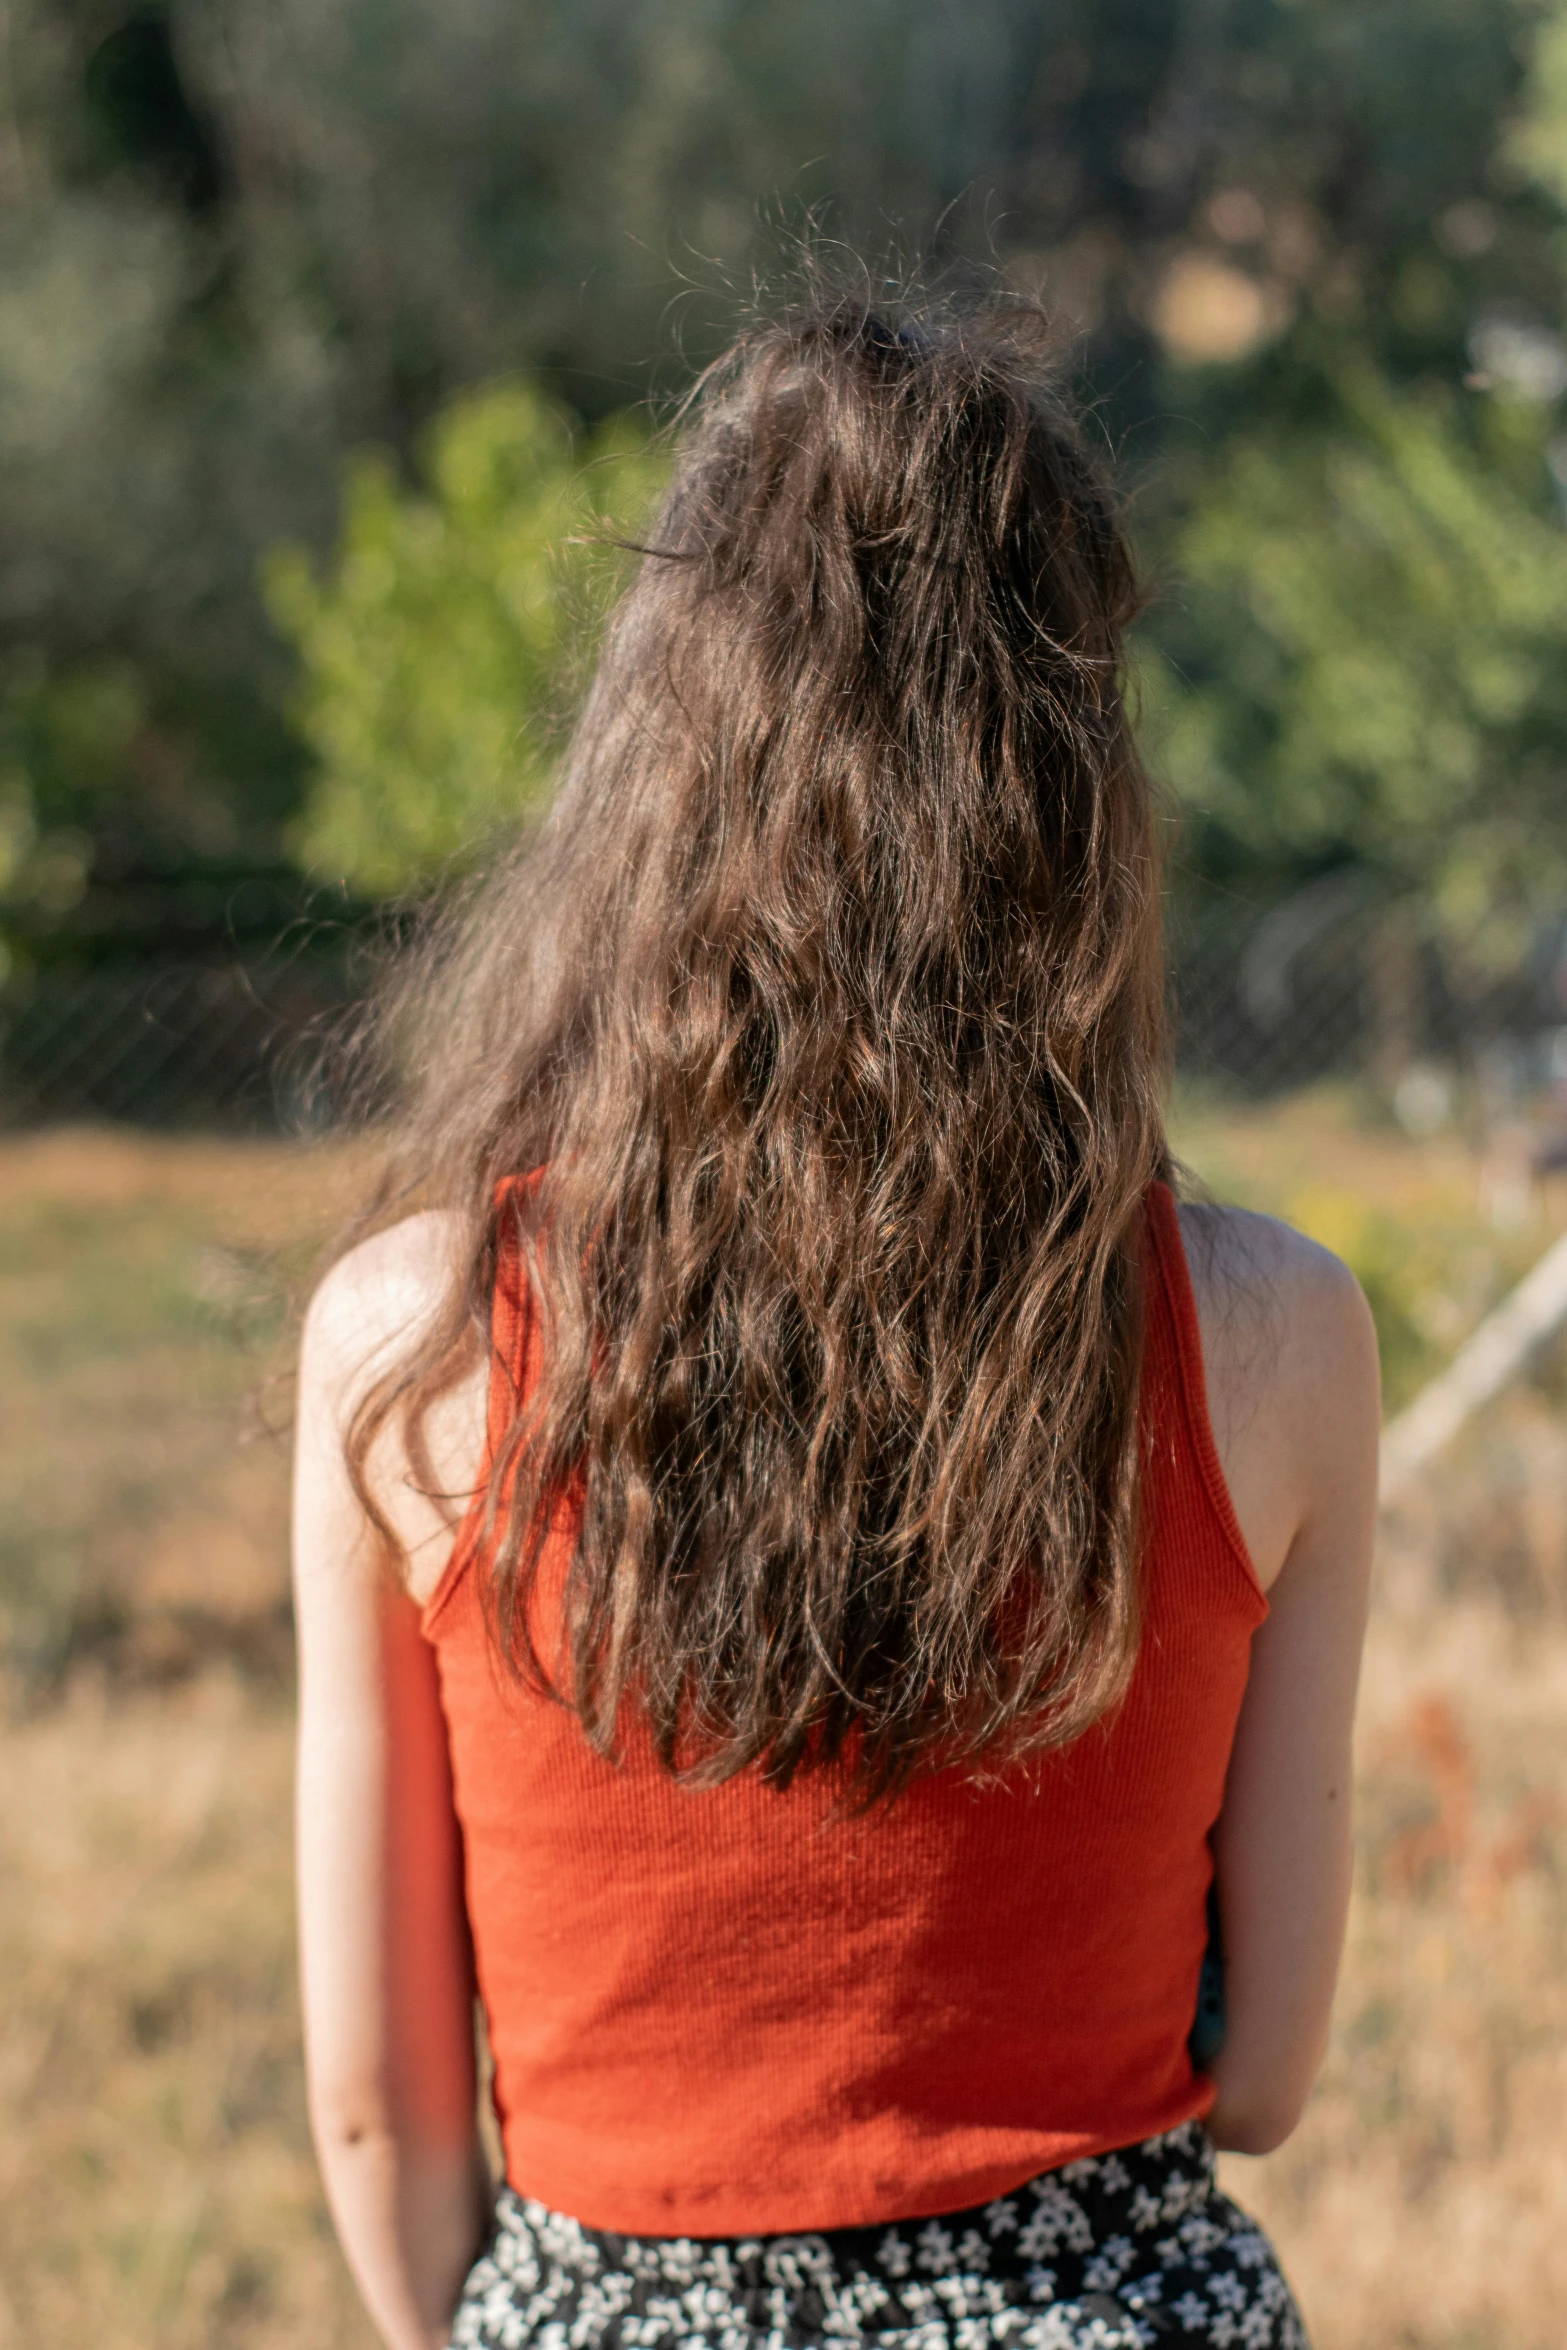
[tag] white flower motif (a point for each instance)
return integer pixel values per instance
(1180, 2194)
(797, 2260)
(562, 2238)
(1114, 2176)
(1200, 2236)
(1227, 2290)
(1078, 2174)
(1041, 2282)
(1058, 2329)
(1001, 2216)
(868, 2295)
(1145, 2211)
(935, 2246)
(599, 2301)
(956, 2297)
(1248, 2248)
(1056, 2219)
(893, 2254)
(973, 2251)
(1192, 2310)
(706, 2304)
(718, 2267)
(1100, 2334)
(1110, 2264)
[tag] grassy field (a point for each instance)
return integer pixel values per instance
(156, 2183)
(156, 2186)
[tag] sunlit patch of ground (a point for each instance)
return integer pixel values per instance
(156, 2184)
(156, 2187)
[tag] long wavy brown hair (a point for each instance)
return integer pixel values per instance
(829, 1000)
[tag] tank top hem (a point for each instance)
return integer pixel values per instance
(743, 2209)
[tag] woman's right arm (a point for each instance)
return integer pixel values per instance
(1303, 1414)
(386, 1966)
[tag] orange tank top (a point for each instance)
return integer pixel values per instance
(738, 2012)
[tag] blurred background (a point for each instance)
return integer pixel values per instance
(332, 339)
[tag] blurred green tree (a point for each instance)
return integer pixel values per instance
(1357, 661)
(440, 649)
(1537, 140)
(1361, 654)
(239, 238)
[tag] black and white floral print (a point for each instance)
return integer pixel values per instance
(1136, 2250)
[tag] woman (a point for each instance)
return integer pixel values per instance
(907, 1557)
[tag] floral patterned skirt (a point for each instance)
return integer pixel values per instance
(1136, 2250)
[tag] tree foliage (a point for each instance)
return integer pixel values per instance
(438, 650)
(241, 240)
(1362, 654)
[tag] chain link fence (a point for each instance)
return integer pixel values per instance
(1338, 980)
(1331, 982)
(241, 1047)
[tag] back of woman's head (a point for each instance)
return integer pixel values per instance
(830, 1000)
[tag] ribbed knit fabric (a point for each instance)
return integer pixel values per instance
(738, 2011)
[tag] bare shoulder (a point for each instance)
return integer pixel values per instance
(371, 1308)
(1247, 1266)
(374, 1300)
(1290, 1360)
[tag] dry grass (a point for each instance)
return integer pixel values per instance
(143, 1288)
(1424, 2200)
(156, 2187)
(156, 2182)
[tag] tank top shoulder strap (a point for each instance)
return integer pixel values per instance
(511, 1341)
(1178, 1380)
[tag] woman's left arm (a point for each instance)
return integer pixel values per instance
(386, 1963)
(1305, 1484)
